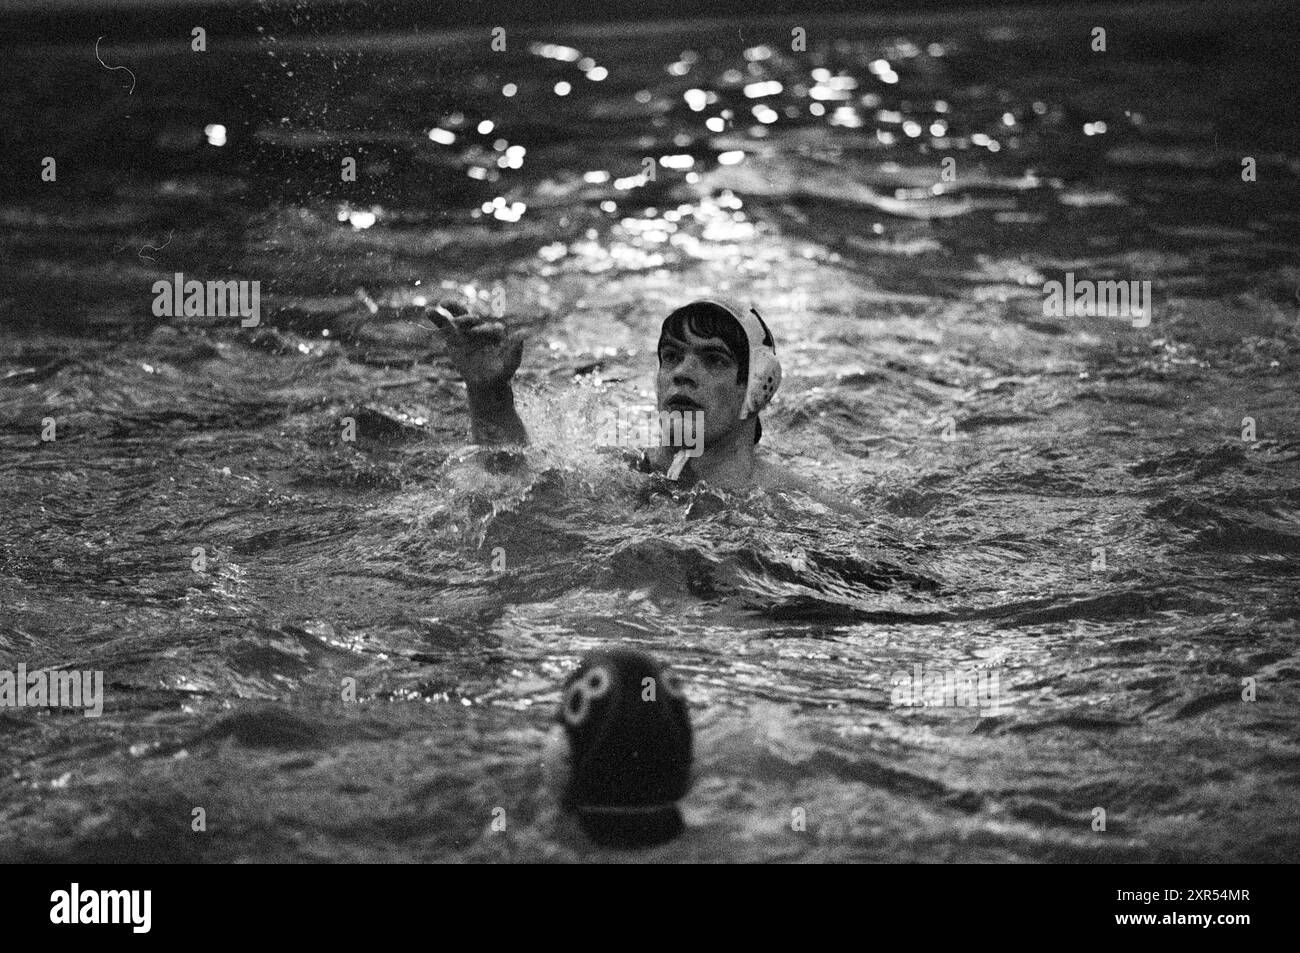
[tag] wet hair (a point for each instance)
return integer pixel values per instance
(707, 320)
(704, 319)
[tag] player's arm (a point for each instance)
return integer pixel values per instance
(487, 358)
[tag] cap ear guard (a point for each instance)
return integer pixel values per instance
(764, 368)
(764, 379)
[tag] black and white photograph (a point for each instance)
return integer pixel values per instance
(650, 433)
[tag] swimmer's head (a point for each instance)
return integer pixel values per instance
(627, 760)
(719, 358)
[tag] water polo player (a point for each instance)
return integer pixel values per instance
(715, 357)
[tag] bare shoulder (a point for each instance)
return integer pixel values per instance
(773, 476)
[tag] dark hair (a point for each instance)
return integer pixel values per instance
(707, 320)
(704, 319)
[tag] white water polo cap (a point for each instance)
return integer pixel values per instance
(764, 368)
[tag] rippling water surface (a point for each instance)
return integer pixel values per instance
(1069, 505)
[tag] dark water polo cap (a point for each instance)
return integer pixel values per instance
(629, 734)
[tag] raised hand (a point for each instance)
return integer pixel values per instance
(484, 354)
(486, 357)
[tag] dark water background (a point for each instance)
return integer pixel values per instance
(900, 303)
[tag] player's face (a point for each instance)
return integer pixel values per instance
(699, 374)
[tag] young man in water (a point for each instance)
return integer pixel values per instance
(715, 359)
